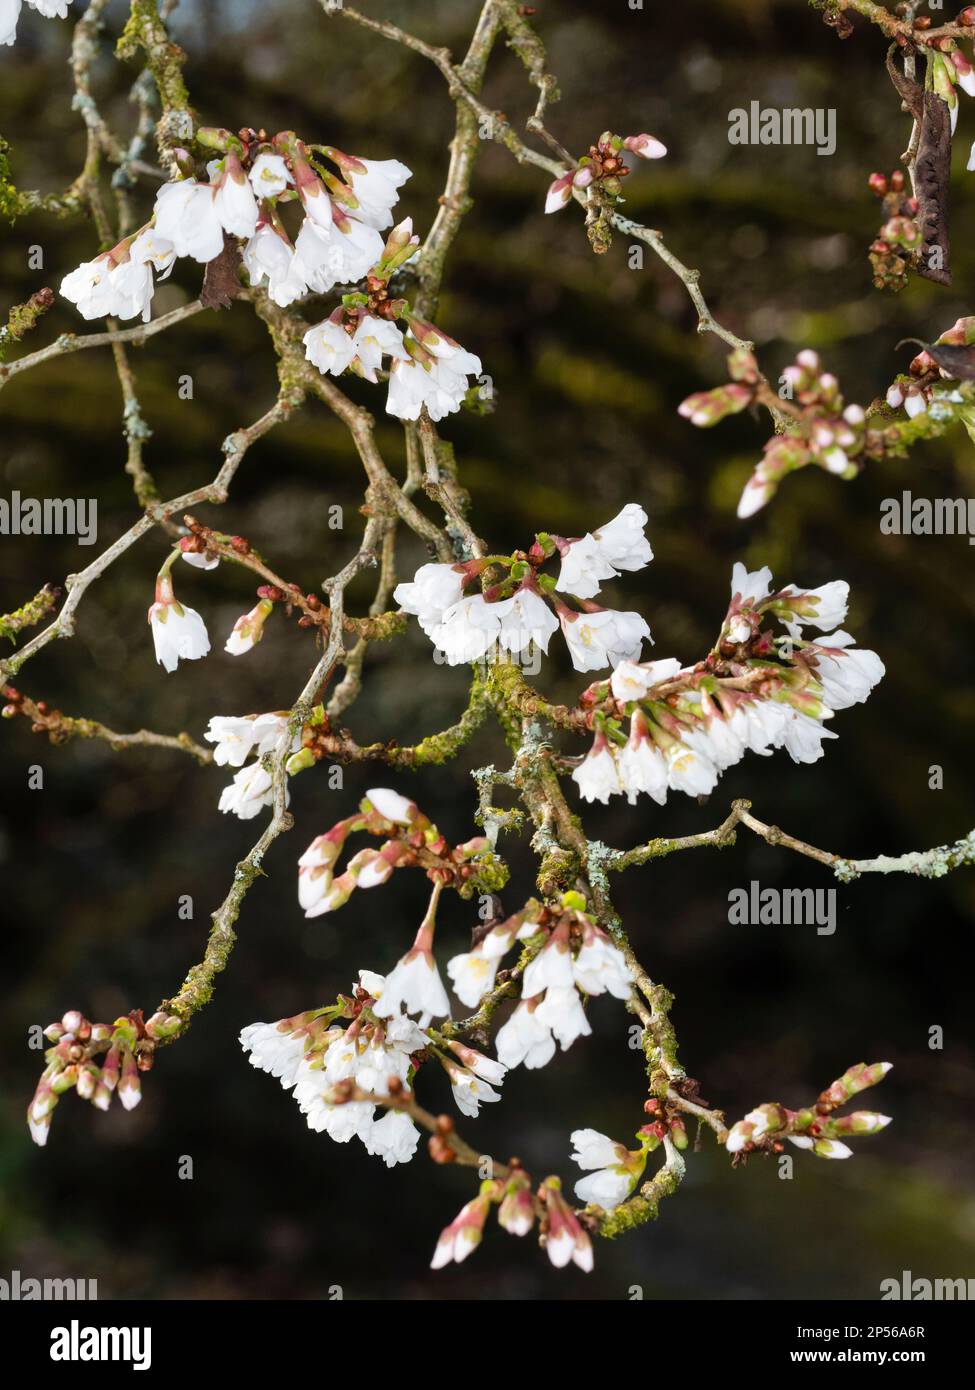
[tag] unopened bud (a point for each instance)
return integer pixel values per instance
(440, 1151)
(645, 146)
(129, 1087)
(163, 1025)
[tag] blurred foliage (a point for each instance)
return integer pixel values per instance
(589, 360)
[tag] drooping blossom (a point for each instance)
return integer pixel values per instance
(315, 1058)
(473, 972)
(598, 776)
(376, 184)
(233, 197)
(433, 590)
(603, 637)
(269, 175)
(604, 553)
(120, 282)
(577, 956)
(237, 737)
(414, 983)
(178, 631)
(335, 344)
(440, 383)
(251, 789)
(10, 13)
(614, 1169)
(335, 253)
(269, 258)
(472, 1077)
(186, 214)
(689, 725)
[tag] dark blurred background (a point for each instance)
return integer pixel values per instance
(589, 359)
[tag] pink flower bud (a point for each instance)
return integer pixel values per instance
(646, 146)
(559, 193)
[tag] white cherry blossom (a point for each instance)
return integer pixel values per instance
(269, 175)
(641, 765)
(598, 775)
(561, 1010)
(9, 14)
(276, 1049)
(750, 588)
(329, 347)
(394, 1138)
(631, 680)
(602, 554)
(523, 619)
(824, 607)
(847, 674)
(250, 791)
(690, 771)
(88, 287)
(525, 1038)
(376, 188)
(440, 384)
(802, 737)
(336, 255)
(415, 984)
(469, 1091)
(375, 339)
(236, 737)
(614, 1171)
(467, 630)
(186, 215)
(604, 638)
(392, 806)
(473, 973)
(178, 631)
(433, 589)
(552, 966)
(600, 967)
(233, 198)
(270, 258)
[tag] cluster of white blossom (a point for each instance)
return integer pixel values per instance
(467, 627)
(312, 1057)
(235, 739)
(318, 1059)
(10, 14)
(427, 368)
(569, 965)
(339, 239)
(120, 283)
(335, 245)
(689, 726)
(339, 243)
